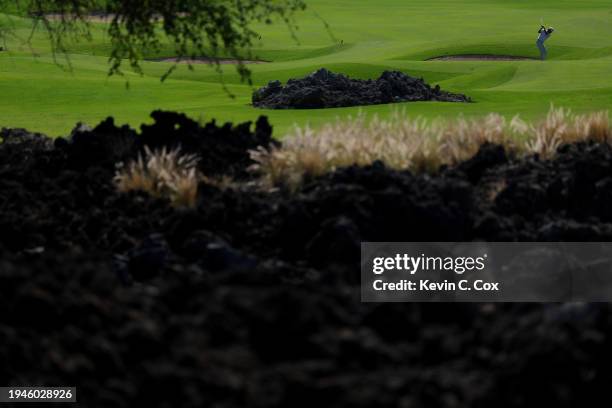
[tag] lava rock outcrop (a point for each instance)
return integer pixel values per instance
(325, 89)
(252, 298)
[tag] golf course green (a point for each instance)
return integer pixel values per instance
(365, 38)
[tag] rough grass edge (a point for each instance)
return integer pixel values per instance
(418, 145)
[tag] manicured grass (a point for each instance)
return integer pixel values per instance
(386, 34)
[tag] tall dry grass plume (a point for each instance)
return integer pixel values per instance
(162, 173)
(399, 143)
(460, 139)
(561, 126)
(415, 144)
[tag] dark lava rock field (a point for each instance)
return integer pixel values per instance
(325, 89)
(252, 298)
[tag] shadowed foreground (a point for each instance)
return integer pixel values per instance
(251, 298)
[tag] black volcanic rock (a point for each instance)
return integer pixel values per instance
(325, 89)
(252, 298)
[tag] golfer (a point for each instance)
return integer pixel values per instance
(544, 34)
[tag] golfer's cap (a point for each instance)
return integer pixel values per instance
(551, 28)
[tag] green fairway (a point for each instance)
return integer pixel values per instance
(368, 37)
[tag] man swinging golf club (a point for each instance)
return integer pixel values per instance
(544, 34)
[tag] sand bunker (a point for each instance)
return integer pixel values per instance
(481, 57)
(205, 60)
(93, 18)
(96, 17)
